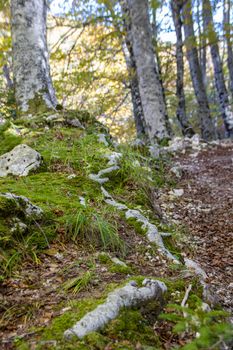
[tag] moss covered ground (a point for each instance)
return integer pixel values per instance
(61, 264)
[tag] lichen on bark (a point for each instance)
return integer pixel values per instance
(32, 81)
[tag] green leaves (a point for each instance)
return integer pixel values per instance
(208, 329)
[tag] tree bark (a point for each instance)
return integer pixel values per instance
(6, 74)
(131, 66)
(149, 85)
(226, 110)
(186, 128)
(227, 32)
(33, 85)
(207, 127)
(158, 66)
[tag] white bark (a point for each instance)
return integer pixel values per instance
(149, 85)
(128, 296)
(207, 127)
(33, 84)
(227, 112)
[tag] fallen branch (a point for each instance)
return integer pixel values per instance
(127, 296)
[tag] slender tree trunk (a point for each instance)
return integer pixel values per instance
(158, 66)
(149, 85)
(207, 126)
(227, 30)
(32, 81)
(131, 66)
(226, 110)
(203, 56)
(186, 128)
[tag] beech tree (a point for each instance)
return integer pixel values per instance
(176, 7)
(207, 127)
(225, 107)
(131, 66)
(34, 91)
(227, 33)
(150, 89)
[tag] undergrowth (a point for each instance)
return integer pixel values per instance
(70, 156)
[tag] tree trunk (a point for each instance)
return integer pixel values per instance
(186, 128)
(158, 66)
(149, 86)
(202, 49)
(6, 74)
(131, 66)
(226, 109)
(33, 85)
(227, 30)
(207, 127)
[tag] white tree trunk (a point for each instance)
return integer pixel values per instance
(149, 85)
(33, 85)
(207, 126)
(226, 109)
(186, 128)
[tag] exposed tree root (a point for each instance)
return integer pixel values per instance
(127, 296)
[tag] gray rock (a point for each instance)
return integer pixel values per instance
(102, 139)
(18, 226)
(118, 262)
(75, 123)
(177, 171)
(154, 151)
(54, 118)
(19, 161)
(137, 143)
(30, 210)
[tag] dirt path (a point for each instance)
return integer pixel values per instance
(206, 209)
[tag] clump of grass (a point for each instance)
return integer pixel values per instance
(94, 227)
(77, 284)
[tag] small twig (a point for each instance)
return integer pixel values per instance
(188, 290)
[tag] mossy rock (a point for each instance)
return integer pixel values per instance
(8, 206)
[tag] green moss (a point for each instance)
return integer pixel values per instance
(131, 326)
(124, 332)
(36, 105)
(68, 319)
(8, 140)
(117, 268)
(104, 258)
(6, 205)
(96, 341)
(137, 226)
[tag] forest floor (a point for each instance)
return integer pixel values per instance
(206, 211)
(35, 295)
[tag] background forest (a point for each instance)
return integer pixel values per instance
(116, 182)
(86, 42)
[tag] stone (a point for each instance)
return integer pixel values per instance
(18, 226)
(71, 176)
(55, 118)
(19, 161)
(177, 192)
(102, 139)
(23, 204)
(75, 123)
(137, 143)
(177, 171)
(118, 262)
(154, 151)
